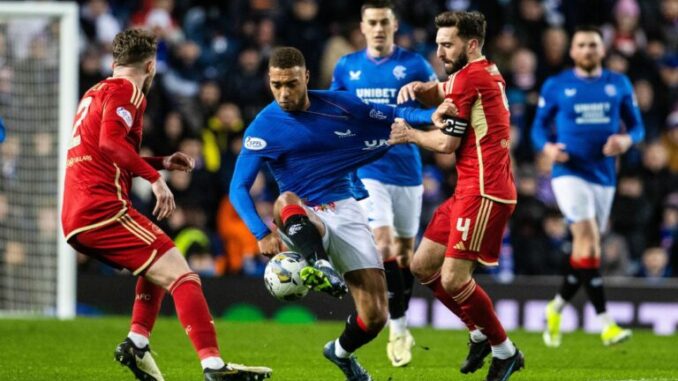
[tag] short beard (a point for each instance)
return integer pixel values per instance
(459, 63)
(148, 82)
(588, 68)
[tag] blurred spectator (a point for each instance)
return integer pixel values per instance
(98, 22)
(631, 213)
(239, 244)
(555, 44)
(670, 140)
(615, 257)
(654, 265)
(247, 86)
(303, 30)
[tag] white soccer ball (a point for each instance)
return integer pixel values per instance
(282, 276)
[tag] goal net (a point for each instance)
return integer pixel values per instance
(38, 85)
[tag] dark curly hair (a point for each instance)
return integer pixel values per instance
(133, 47)
(469, 24)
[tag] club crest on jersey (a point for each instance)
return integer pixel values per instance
(610, 90)
(354, 75)
(125, 115)
(374, 144)
(376, 114)
(399, 72)
(255, 144)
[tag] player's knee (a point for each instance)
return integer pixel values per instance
(453, 282)
(287, 198)
(421, 269)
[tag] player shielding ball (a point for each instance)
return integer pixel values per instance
(394, 182)
(313, 141)
(467, 228)
(99, 220)
(586, 104)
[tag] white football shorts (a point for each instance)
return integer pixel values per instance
(580, 200)
(393, 205)
(348, 239)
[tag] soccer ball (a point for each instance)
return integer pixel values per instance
(282, 276)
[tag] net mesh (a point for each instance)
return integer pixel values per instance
(29, 95)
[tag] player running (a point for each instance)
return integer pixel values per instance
(585, 104)
(467, 229)
(98, 218)
(394, 182)
(312, 141)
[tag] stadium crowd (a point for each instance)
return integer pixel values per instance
(212, 81)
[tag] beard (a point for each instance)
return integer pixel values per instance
(588, 65)
(457, 64)
(148, 82)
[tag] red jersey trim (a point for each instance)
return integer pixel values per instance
(110, 220)
(479, 125)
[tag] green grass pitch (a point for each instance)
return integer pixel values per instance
(83, 350)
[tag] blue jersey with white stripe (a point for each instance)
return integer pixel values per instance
(378, 80)
(314, 152)
(586, 111)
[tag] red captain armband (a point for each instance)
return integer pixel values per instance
(455, 127)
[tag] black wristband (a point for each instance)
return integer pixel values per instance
(455, 127)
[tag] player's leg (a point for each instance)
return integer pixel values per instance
(379, 208)
(406, 201)
(368, 289)
(172, 273)
(478, 225)
(576, 201)
(592, 278)
(426, 266)
(304, 232)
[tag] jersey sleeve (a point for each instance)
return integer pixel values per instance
(630, 113)
(546, 109)
(246, 170)
(338, 75)
(463, 92)
(120, 108)
(258, 147)
(384, 113)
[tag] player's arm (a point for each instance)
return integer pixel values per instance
(117, 119)
(543, 120)
(444, 139)
(617, 144)
(430, 94)
(246, 169)
(178, 161)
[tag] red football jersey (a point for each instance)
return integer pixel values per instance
(97, 188)
(483, 159)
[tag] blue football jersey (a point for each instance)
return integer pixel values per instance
(314, 152)
(585, 112)
(378, 81)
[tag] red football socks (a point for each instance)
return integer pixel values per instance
(147, 301)
(477, 305)
(194, 314)
(439, 292)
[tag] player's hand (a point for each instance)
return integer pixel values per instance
(401, 132)
(555, 152)
(444, 110)
(178, 161)
(270, 245)
(409, 92)
(164, 204)
(617, 144)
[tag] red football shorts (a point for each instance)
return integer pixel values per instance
(131, 242)
(471, 227)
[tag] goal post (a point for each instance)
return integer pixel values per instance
(41, 104)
